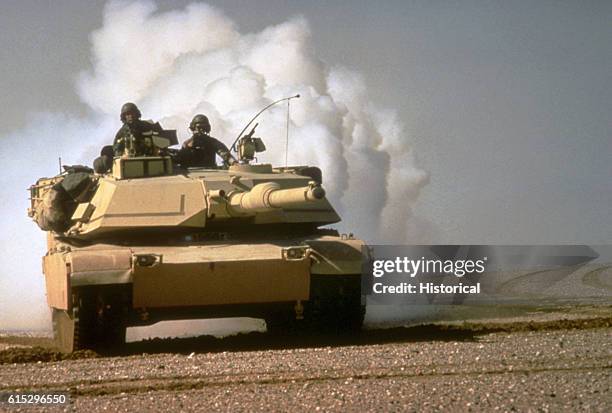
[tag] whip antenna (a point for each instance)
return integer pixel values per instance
(287, 137)
(233, 147)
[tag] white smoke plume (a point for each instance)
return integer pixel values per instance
(176, 64)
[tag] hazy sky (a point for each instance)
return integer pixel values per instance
(507, 104)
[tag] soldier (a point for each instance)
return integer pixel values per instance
(201, 148)
(103, 163)
(135, 134)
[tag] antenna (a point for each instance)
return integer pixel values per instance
(287, 137)
(233, 147)
(60, 164)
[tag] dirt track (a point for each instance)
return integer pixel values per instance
(541, 366)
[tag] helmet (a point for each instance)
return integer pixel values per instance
(200, 119)
(129, 108)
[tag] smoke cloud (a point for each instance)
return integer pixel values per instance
(179, 63)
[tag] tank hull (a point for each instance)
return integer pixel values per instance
(95, 292)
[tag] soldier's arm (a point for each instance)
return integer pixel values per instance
(188, 143)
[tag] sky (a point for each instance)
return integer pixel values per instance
(494, 116)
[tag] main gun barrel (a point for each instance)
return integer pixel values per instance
(269, 195)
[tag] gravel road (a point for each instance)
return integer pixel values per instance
(545, 366)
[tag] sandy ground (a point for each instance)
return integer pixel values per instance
(548, 361)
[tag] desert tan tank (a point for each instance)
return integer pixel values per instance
(151, 241)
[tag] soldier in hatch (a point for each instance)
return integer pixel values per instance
(135, 136)
(201, 148)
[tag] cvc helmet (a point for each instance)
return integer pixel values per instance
(200, 119)
(129, 108)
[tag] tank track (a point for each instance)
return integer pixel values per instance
(335, 307)
(96, 321)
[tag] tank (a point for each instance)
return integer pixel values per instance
(150, 240)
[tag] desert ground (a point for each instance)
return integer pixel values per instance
(553, 360)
